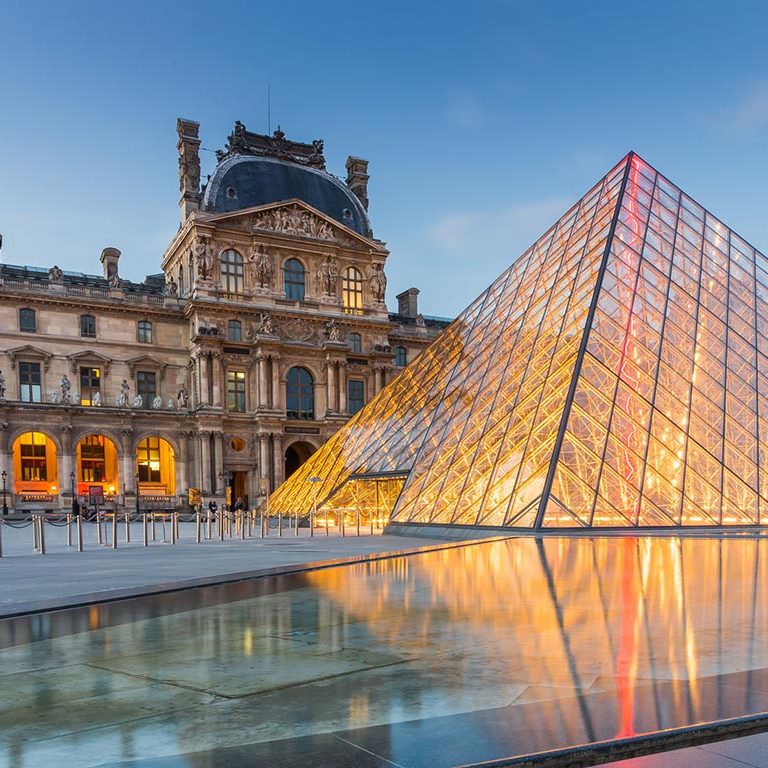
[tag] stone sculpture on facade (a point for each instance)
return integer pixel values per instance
(115, 281)
(55, 274)
(138, 401)
(378, 283)
(2, 386)
(157, 402)
(182, 396)
(66, 386)
(97, 400)
(266, 324)
(204, 255)
(125, 394)
(170, 405)
(294, 220)
(171, 288)
(263, 268)
(332, 331)
(327, 276)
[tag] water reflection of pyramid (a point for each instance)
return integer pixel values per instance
(614, 375)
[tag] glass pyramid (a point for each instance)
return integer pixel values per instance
(616, 375)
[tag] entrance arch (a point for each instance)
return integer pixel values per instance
(296, 454)
(97, 465)
(155, 467)
(35, 468)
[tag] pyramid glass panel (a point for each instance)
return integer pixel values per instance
(613, 376)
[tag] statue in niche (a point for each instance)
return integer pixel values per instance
(2, 386)
(182, 396)
(332, 331)
(125, 394)
(378, 283)
(138, 401)
(204, 255)
(171, 288)
(266, 324)
(55, 274)
(263, 267)
(327, 276)
(66, 386)
(157, 402)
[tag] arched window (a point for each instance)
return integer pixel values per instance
(352, 291)
(181, 280)
(232, 271)
(355, 343)
(401, 356)
(294, 279)
(27, 320)
(234, 330)
(300, 394)
(88, 326)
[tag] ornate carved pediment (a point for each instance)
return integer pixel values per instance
(298, 329)
(147, 363)
(89, 357)
(30, 353)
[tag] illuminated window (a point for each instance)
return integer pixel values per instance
(294, 279)
(33, 463)
(90, 384)
(88, 326)
(236, 391)
(144, 332)
(300, 394)
(232, 271)
(234, 330)
(401, 356)
(148, 460)
(146, 386)
(29, 383)
(27, 320)
(355, 395)
(355, 342)
(352, 291)
(93, 465)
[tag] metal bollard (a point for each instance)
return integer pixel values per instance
(1, 536)
(210, 519)
(146, 529)
(358, 521)
(35, 545)
(280, 523)
(221, 525)
(198, 524)
(242, 523)
(370, 517)
(261, 523)
(99, 535)
(326, 522)
(127, 527)
(297, 523)
(41, 522)
(69, 529)
(79, 533)
(342, 521)
(174, 532)
(312, 521)
(154, 530)
(114, 529)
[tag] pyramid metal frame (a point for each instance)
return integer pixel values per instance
(615, 376)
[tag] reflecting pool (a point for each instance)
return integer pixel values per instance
(438, 659)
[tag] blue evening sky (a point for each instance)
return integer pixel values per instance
(482, 120)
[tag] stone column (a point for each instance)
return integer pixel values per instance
(202, 378)
(205, 469)
(192, 468)
(331, 387)
(375, 381)
(181, 462)
(65, 466)
(127, 462)
(217, 378)
(261, 362)
(218, 446)
(6, 464)
(343, 388)
(276, 401)
(263, 454)
(277, 457)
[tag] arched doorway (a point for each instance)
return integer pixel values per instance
(97, 466)
(295, 455)
(155, 467)
(34, 465)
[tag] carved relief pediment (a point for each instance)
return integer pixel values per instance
(298, 329)
(147, 363)
(29, 352)
(88, 356)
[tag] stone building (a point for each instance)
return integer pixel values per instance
(264, 332)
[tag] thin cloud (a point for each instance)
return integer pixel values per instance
(748, 114)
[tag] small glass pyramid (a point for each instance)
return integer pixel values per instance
(616, 375)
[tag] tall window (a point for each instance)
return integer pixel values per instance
(401, 356)
(88, 326)
(29, 382)
(294, 279)
(181, 280)
(355, 395)
(236, 391)
(355, 343)
(300, 394)
(234, 330)
(90, 384)
(148, 460)
(144, 332)
(33, 463)
(191, 272)
(93, 465)
(352, 291)
(27, 320)
(232, 271)
(146, 386)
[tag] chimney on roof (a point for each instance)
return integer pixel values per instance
(408, 303)
(109, 259)
(357, 178)
(189, 166)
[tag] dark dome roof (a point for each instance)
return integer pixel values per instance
(245, 181)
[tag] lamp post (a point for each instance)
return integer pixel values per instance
(75, 505)
(312, 517)
(4, 474)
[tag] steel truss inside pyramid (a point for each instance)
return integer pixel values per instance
(616, 375)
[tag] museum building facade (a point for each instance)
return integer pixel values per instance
(265, 331)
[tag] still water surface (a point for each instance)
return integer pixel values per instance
(463, 654)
